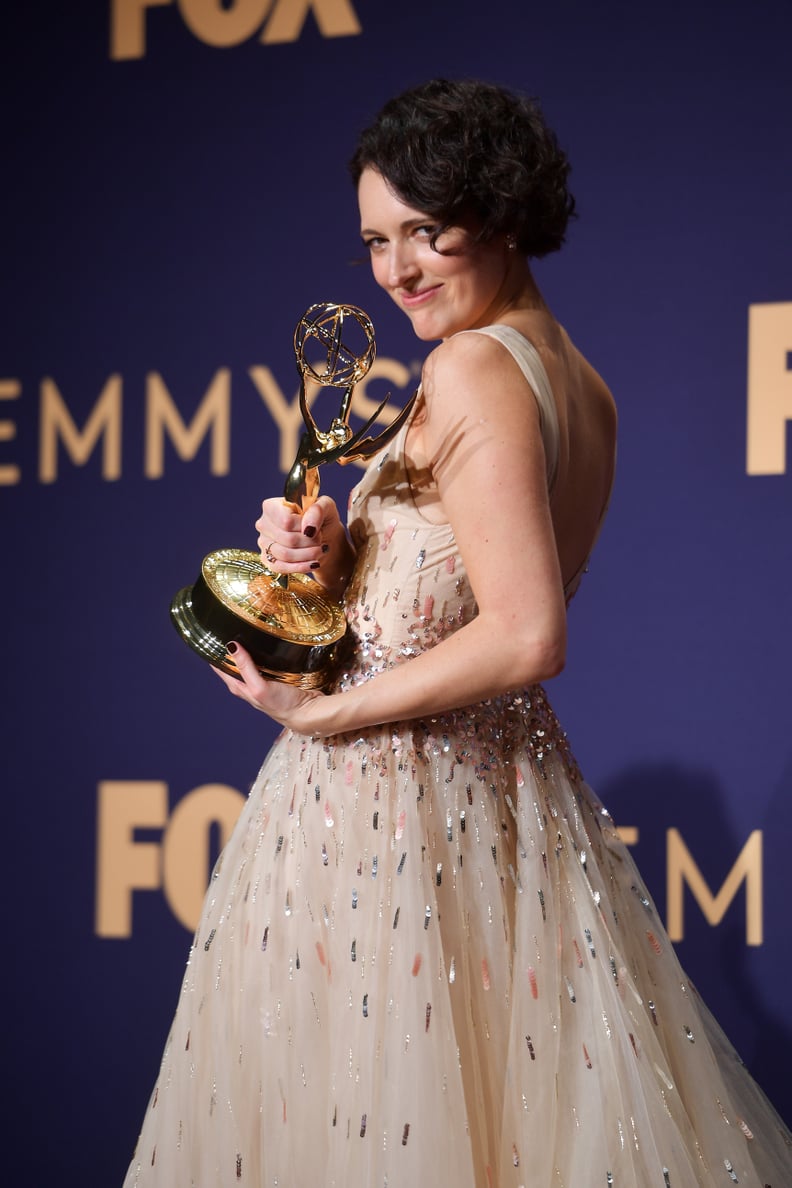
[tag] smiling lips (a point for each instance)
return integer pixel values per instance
(417, 297)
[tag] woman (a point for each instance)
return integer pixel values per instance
(425, 956)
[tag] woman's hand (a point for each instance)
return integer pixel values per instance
(290, 706)
(290, 542)
(314, 542)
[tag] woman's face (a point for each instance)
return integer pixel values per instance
(460, 286)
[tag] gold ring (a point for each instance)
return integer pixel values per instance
(268, 552)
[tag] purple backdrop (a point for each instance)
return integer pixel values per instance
(174, 197)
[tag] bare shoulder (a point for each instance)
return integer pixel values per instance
(469, 363)
(463, 350)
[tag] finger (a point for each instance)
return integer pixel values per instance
(255, 685)
(312, 521)
(280, 516)
(266, 551)
(278, 520)
(292, 545)
(249, 686)
(320, 514)
(281, 560)
(242, 659)
(271, 546)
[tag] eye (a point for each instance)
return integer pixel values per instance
(426, 230)
(373, 243)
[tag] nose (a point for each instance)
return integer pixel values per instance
(402, 266)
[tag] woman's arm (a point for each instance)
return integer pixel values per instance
(482, 435)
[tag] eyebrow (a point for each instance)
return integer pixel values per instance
(407, 225)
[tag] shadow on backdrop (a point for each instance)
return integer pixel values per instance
(655, 798)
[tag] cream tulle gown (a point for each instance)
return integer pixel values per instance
(425, 957)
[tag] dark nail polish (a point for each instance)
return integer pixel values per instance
(325, 548)
(231, 648)
(314, 565)
(309, 531)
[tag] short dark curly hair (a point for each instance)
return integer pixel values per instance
(466, 148)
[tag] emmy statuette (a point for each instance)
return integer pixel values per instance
(286, 622)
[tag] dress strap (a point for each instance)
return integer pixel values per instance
(530, 363)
